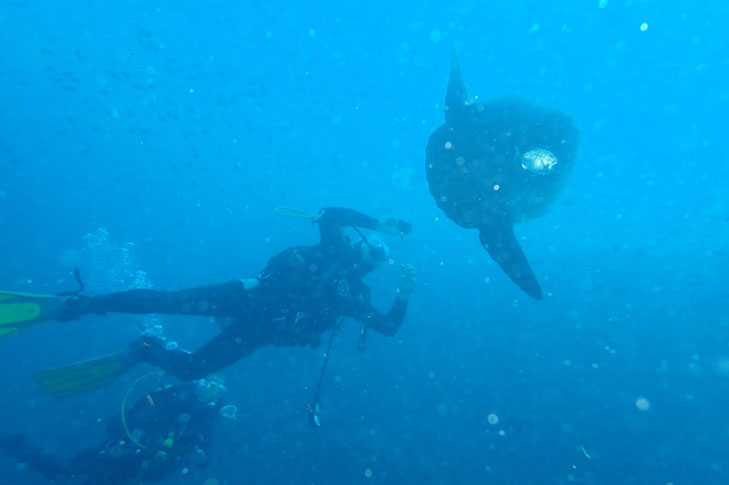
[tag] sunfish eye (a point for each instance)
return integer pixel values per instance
(538, 160)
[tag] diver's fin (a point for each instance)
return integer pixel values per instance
(296, 213)
(71, 379)
(21, 311)
(501, 243)
(457, 94)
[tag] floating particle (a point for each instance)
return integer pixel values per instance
(584, 452)
(722, 363)
(643, 27)
(642, 404)
(368, 472)
(493, 419)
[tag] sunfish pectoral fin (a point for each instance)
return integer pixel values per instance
(502, 245)
(456, 95)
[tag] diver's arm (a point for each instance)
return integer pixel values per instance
(202, 433)
(227, 299)
(333, 219)
(389, 324)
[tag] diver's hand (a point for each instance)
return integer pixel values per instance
(393, 226)
(407, 281)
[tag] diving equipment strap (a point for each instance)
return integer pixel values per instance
(314, 408)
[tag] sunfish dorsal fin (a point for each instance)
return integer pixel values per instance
(502, 245)
(457, 95)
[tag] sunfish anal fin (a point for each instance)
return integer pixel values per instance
(502, 245)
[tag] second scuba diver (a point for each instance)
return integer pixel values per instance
(166, 432)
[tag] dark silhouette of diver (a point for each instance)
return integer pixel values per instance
(167, 431)
(301, 293)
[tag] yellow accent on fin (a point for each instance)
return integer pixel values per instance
(294, 212)
(71, 379)
(21, 295)
(20, 311)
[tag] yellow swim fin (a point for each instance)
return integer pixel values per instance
(71, 379)
(21, 311)
(296, 213)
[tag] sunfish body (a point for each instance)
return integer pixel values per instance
(497, 163)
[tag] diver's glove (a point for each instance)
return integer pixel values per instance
(393, 226)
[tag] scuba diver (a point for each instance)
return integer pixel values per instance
(167, 431)
(301, 293)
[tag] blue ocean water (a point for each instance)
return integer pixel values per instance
(147, 143)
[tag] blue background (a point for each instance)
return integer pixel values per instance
(179, 126)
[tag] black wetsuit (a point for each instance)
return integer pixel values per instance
(301, 293)
(173, 427)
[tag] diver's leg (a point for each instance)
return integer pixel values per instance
(227, 299)
(228, 347)
(48, 465)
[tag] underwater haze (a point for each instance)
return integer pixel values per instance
(148, 143)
